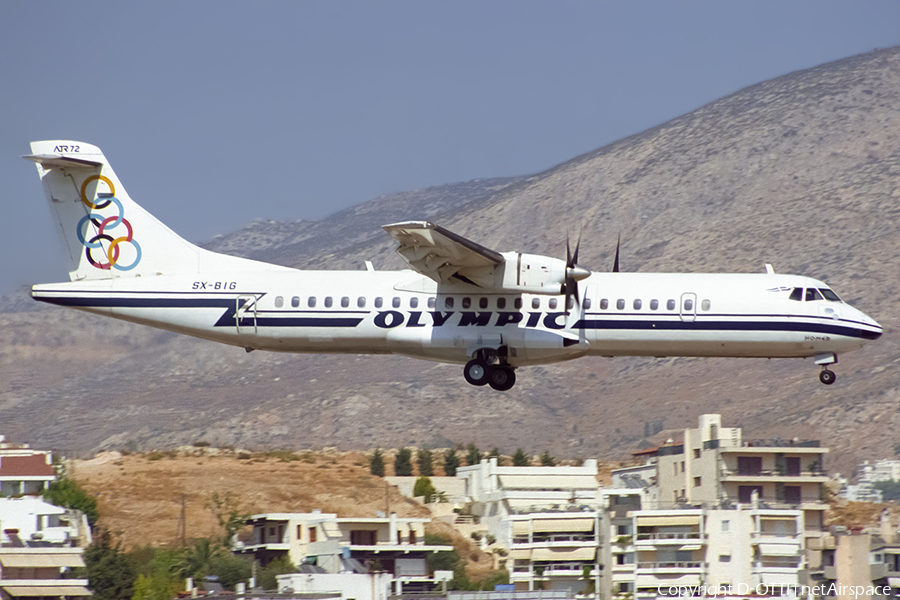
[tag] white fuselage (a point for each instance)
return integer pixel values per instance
(403, 312)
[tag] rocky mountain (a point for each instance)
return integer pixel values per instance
(800, 171)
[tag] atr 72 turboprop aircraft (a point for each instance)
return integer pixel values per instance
(461, 303)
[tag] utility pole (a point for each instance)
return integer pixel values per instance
(183, 521)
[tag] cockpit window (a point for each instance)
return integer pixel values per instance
(797, 295)
(813, 294)
(829, 295)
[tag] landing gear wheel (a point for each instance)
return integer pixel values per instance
(502, 378)
(477, 372)
(827, 377)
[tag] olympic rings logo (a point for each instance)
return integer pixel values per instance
(104, 224)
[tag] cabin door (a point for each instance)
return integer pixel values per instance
(245, 315)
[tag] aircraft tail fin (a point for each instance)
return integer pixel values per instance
(105, 233)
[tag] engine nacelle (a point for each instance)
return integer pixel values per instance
(532, 274)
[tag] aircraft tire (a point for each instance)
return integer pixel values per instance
(827, 377)
(477, 372)
(503, 378)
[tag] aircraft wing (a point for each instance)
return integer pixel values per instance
(443, 255)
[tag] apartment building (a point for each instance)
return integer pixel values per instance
(547, 518)
(39, 544)
(329, 544)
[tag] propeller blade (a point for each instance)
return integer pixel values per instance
(615, 268)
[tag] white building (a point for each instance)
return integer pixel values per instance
(395, 545)
(39, 544)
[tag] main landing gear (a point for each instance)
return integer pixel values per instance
(482, 370)
(827, 377)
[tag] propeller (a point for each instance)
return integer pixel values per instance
(574, 273)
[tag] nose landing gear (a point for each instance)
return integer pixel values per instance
(482, 370)
(827, 377)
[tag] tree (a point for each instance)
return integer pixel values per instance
(495, 453)
(547, 460)
(280, 566)
(520, 459)
(403, 463)
(110, 572)
(473, 455)
(67, 493)
(424, 487)
(451, 463)
(228, 513)
(426, 462)
(376, 464)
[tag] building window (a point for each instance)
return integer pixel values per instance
(725, 526)
(412, 537)
(696, 452)
(696, 481)
(312, 535)
(362, 537)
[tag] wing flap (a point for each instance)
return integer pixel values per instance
(440, 254)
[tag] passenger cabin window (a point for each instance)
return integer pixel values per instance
(448, 302)
(311, 302)
(328, 301)
(345, 302)
(379, 302)
(413, 302)
(431, 303)
(361, 302)
(395, 302)
(654, 304)
(279, 301)
(604, 304)
(482, 303)
(295, 301)
(670, 304)
(637, 305)
(705, 305)
(688, 304)
(501, 303)
(620, 304)
(517, 303)
(587, 303)
(467, 303)
(813, 294)
(552, 303)
(535, 303)
(570, 302)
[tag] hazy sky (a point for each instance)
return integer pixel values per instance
(217, 113)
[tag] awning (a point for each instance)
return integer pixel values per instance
(661, 521)
(579, 554)
(549, 482)
(556, 525)
(520, 527)
(779, 549)
(690, 547)
(894, 582)
(46, 590)
(774, 518)
(68, 559)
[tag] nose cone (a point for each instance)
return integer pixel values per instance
(869, 327)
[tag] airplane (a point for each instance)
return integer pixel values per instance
(459, 302)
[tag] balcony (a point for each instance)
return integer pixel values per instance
(556, 539)
(737, 475)
(671, 566)
(653, 539)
